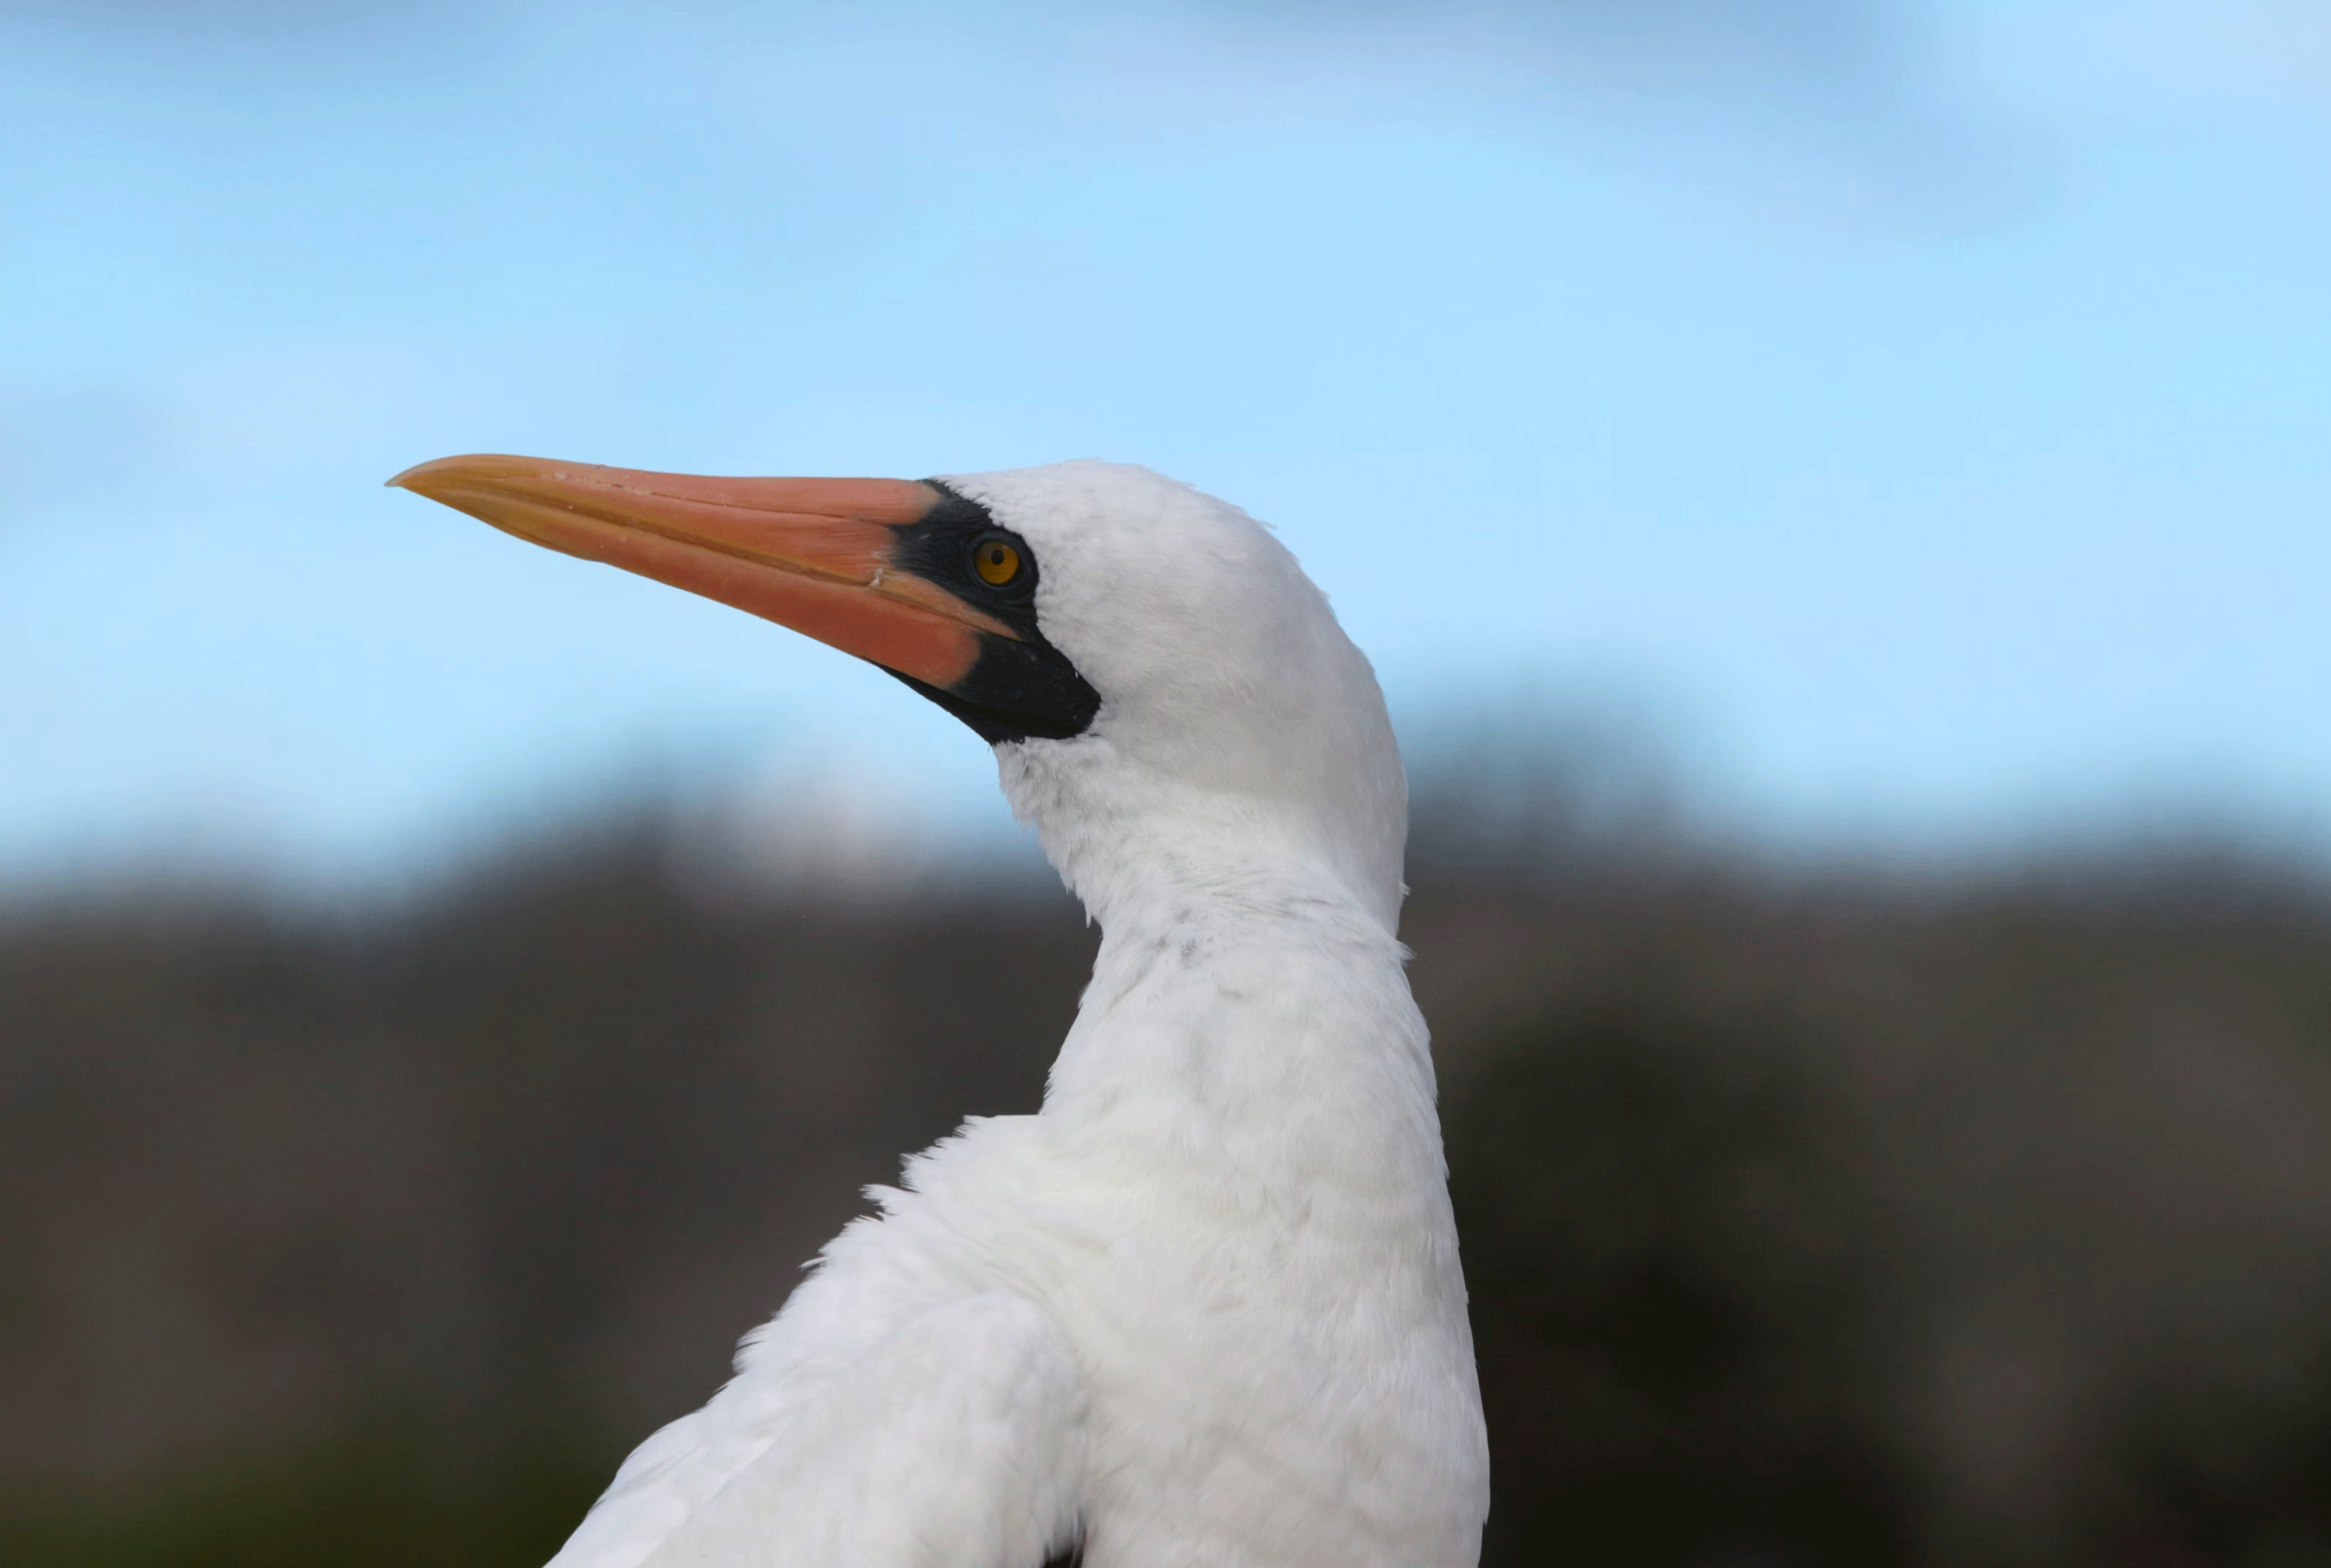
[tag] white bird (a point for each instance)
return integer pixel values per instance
(1204, 1307)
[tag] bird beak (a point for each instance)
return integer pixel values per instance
(811, 554)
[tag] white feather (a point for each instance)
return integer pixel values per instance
(1205, 1307)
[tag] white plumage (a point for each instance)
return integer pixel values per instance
(1205, 1306)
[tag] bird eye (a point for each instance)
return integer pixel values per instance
(996, 562)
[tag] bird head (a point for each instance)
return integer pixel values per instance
(1171, 702)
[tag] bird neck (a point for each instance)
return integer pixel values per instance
(1258, 1052)
(1248, 1007)
(1249, 1016)
(1141, 844)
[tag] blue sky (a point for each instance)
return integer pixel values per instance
(1922, 411)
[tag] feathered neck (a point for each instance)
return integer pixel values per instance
(1139, 845)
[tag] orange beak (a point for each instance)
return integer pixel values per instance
(814, 554)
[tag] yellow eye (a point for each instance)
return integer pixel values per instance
(996, 562)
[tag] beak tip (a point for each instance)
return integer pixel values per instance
(441, 473)
(405, 478)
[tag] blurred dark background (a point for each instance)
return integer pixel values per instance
(1836, 1213)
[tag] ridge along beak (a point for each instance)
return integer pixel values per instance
(811, 554)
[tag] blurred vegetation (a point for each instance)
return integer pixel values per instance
(1815, 1215)
(369, 1494)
